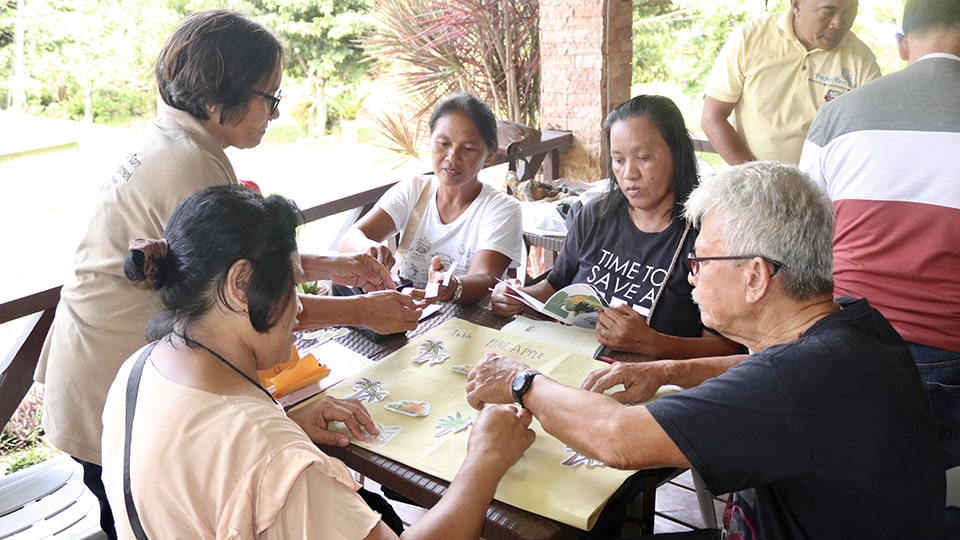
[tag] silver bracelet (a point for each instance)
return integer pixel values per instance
(458, 291)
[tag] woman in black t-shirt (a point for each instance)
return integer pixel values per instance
(632, 243)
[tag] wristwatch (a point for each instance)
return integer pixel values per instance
(521, 383)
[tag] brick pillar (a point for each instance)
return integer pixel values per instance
(586, 56)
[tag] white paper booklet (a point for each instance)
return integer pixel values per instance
(577, 339)
(574, 304)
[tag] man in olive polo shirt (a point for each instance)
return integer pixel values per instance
(773, 74)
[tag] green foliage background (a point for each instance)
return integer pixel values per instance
(93, 60)
(676, 42)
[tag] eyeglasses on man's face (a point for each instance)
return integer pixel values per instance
(274, 100)
(695, 262)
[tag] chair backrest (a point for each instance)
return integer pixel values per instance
(512, 137)
(49, 500)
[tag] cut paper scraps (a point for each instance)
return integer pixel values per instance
(454, 423)
(463, 370)
(343, 364)
(409, 408)
(292, 375)
(368, 390)
(312, 338)
(432, 351)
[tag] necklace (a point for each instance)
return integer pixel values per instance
(231, 366)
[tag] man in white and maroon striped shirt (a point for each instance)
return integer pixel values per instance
(888, 156)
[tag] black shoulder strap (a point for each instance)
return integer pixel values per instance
(133, 388)
(673, 265)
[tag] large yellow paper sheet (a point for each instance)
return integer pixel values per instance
(538, 483)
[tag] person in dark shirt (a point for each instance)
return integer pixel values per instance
(630, 244)
(813, 431)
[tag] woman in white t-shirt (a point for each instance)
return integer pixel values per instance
(449, 219)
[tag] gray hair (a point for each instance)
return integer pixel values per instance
(774, 210)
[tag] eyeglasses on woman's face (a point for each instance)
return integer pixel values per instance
(273, 101)
(695, 262)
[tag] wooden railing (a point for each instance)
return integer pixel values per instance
(16, 371)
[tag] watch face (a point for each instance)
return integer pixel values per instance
(521, 383)
(518, 383)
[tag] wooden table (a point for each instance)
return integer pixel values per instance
(503, 521)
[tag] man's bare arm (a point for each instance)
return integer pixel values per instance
(716, 125)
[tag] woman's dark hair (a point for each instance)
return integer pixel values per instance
(664, 114)
(476, 110)
(216, 57)
(207, 233)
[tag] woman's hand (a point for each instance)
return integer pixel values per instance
(314, 417)
(362, 270)
(443, 280)
(502, 299)
(388, 312)
(623, 329)
(383, 254)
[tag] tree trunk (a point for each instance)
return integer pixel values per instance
(88, 104)
(320, 106)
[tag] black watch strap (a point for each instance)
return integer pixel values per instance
(521, 383)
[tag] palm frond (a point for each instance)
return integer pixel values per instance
(489, 48)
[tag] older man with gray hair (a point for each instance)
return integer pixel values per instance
(813, 431)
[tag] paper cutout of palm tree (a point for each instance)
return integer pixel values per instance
(369, 391)
(577, 458)
(431, 350)
(452, 424)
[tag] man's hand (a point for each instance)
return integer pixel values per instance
(501, 432)
(640, 380)
(502, 300)
(623, 329)
(490, 379)
(352, 269)
(314, 417)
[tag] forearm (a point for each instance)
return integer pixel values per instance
(461, 512)
(727, 142)
(316, 265)
(476, 287)
(325, 311)
(620, 436)
(354, 241)
(675, 347)
(692, 372)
